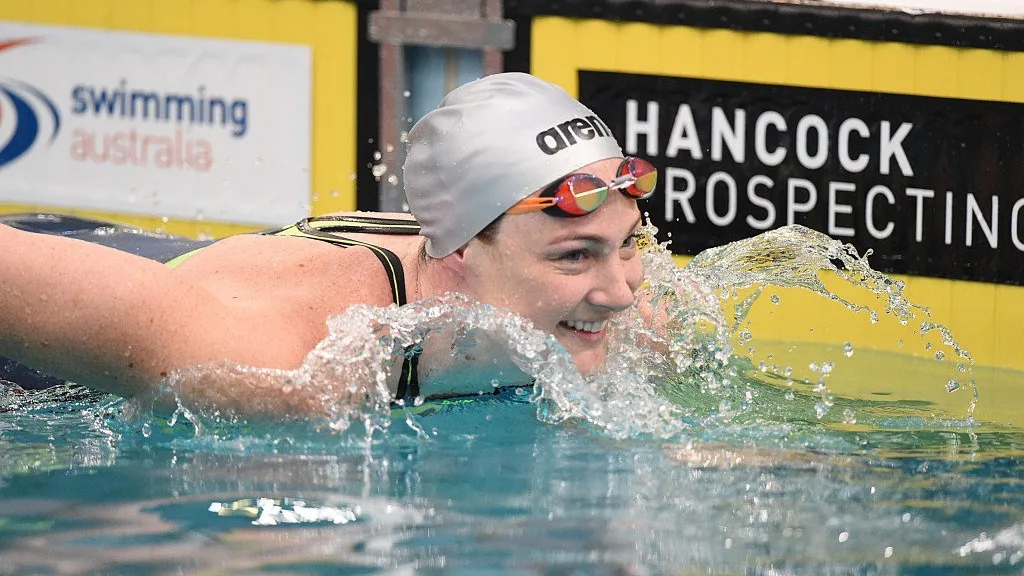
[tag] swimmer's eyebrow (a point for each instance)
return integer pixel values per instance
(594, 238)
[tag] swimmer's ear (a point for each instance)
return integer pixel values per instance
(458, 257)
(458, 261)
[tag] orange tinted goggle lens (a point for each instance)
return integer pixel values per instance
(580, 194)
(644, 175)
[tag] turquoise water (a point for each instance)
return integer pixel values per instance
(722, 453)
(494, 490)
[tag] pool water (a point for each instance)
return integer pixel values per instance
(493, 489)
(722, 453)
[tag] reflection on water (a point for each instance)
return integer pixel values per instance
(701, 447)
(497, 490)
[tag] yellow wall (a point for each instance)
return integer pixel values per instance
(329, 28)
(986, 319)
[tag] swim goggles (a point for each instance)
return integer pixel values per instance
(580, 194)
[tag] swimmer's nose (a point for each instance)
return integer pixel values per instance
(619, 282)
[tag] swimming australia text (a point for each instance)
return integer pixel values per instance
(153, 128)
(571, 132)
(197, 109)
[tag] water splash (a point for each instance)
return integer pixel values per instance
(798, 257)
(677, 364)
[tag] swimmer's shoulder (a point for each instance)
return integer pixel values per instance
(322, 277)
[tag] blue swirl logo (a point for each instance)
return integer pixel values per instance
(22, 105)
(27, 114)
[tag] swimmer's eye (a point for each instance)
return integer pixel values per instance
(573, 256)
(633, 240)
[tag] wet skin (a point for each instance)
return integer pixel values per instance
(568, 275)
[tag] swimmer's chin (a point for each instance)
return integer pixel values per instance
(588, 349)
(589, 361)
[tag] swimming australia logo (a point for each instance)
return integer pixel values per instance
(27, 115)
(571, 132)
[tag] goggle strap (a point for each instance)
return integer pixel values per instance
(531, 205)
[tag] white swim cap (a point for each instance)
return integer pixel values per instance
(489, 144)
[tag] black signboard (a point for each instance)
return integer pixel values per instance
(934, 186)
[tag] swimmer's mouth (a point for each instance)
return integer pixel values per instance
(589, 327)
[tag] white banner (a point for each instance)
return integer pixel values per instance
(157, 125)
(1012, 8)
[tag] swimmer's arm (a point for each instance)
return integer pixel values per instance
(120, 323)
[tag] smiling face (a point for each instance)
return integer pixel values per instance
(568, 275)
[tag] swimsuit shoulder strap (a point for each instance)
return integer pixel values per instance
(327, 228)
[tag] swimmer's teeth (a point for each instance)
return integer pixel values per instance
(586, 326)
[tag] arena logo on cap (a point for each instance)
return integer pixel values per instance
(26, 114)
(571, 132)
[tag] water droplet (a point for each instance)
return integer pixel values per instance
(776, 299)
(406, 93)
(844, 536)
(928, 346)
(376, 155)
(495, 383)
(820, 409)
(379, 170)
(389, 148)
(849, 417)
(146, 430)
(418, 401)
(848, 349)
(787, 371)
(827, 367)
(763, 366)
(939, 355)
(164, 219)
(952, 386)
(393, 180)
(403, 137)
(888, 552)
(200, 216)
(900, 342)
(790, 395)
